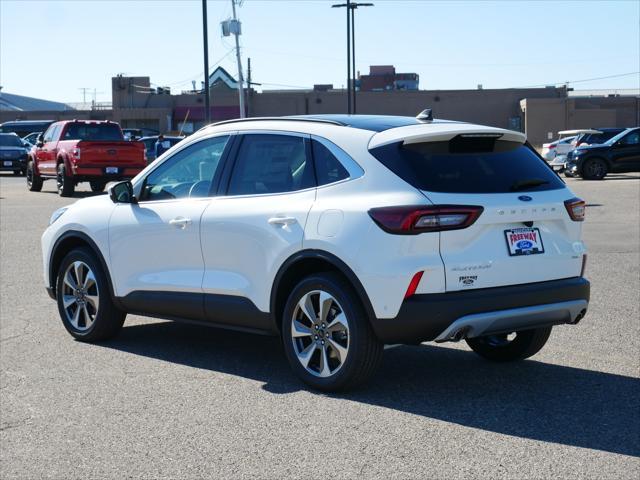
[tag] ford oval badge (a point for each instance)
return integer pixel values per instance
(525, 198)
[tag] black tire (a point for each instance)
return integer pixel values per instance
(568, 174)
(66, 187)
(34, 181)
(594, 169)
(364, 350)
(17, 172)
(97, 185)
(107, 319)
(499, 348)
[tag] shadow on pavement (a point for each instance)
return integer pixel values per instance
(529, 399)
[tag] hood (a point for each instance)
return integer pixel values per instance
(5, 149)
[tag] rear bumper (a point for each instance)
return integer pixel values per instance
(470, 313)
(12, 165)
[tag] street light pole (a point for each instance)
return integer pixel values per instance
(351, 51)
(207, 114)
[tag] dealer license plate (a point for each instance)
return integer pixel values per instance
(8, 163)
(111, 170)
(524, 241)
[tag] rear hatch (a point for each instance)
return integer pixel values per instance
(524, 233)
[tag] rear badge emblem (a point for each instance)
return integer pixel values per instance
(468, 280)
(525, 198)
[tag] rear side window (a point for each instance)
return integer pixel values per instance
(328, 167)
(109, 132)
(271, 164)
(468, 166)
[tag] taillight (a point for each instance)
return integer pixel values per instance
(412, 220)
(76, 153)
(413, 285)
(551, 146)
(576, 208)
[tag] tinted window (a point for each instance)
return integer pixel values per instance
(48, 135)
(92, 132)
(328, 167)
(484, 166)
(187, 173)
(632, 138)
(271, 164)
(10, 140)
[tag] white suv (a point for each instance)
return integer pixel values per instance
(338, 233)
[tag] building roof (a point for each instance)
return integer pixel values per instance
(19, 103)
(221, 75)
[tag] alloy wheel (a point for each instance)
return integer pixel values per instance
(80, 295)
(320, 333)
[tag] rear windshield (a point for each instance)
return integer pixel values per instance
(486, 166)
(93, 132)
(597, 138)
(10, 141)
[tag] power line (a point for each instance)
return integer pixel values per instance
(567, 82)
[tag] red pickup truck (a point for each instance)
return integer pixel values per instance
(77, 151)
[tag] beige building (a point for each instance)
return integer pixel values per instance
(539, 112)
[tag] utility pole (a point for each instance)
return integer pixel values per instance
(236, 32)
(207, 114)
(84, 93)
(348, 5)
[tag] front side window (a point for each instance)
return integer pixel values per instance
(271, 164)
(48, 135)
(188, 173)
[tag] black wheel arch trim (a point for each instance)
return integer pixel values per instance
(336, 262)
(89, 241)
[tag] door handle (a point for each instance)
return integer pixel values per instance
(283, 221)
(180, 222)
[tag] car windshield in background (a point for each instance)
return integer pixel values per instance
(93, 132)
(10, 141)
(501, 167)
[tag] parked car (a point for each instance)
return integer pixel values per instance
(598, 137)
(340, 233)
(83, 151)
(618, 154)
(559, 147)
(133, 134)
(13, 154)
(25, 127)
(150, 145)
(31, 139)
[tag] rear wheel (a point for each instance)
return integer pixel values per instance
(327, 336)
(34, 181)
(97, 185)
(84, 302)
(594, 169)
(509, 347)
(66, 186)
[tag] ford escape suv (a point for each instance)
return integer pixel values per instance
(338, 233)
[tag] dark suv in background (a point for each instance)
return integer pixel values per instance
(597, 138)
(619, 154)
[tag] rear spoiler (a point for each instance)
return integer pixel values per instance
(441, 132)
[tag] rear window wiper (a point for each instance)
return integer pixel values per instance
(528, 183)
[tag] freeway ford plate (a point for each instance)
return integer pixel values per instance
(8, 163)
(111, 170)
(524, 241)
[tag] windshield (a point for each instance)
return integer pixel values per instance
(10, 141)
(93, 132)
(613, 140)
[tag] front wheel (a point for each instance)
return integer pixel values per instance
(509, 347)
(66, 186)
(84, 301)
(327, 336)
(594, 169)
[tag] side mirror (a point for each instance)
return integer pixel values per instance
(122, 192)
(40, 141)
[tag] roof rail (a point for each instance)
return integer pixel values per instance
(286, 119)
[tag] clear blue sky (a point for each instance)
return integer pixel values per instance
(49, 49)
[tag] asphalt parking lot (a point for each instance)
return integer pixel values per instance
(167, 400)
